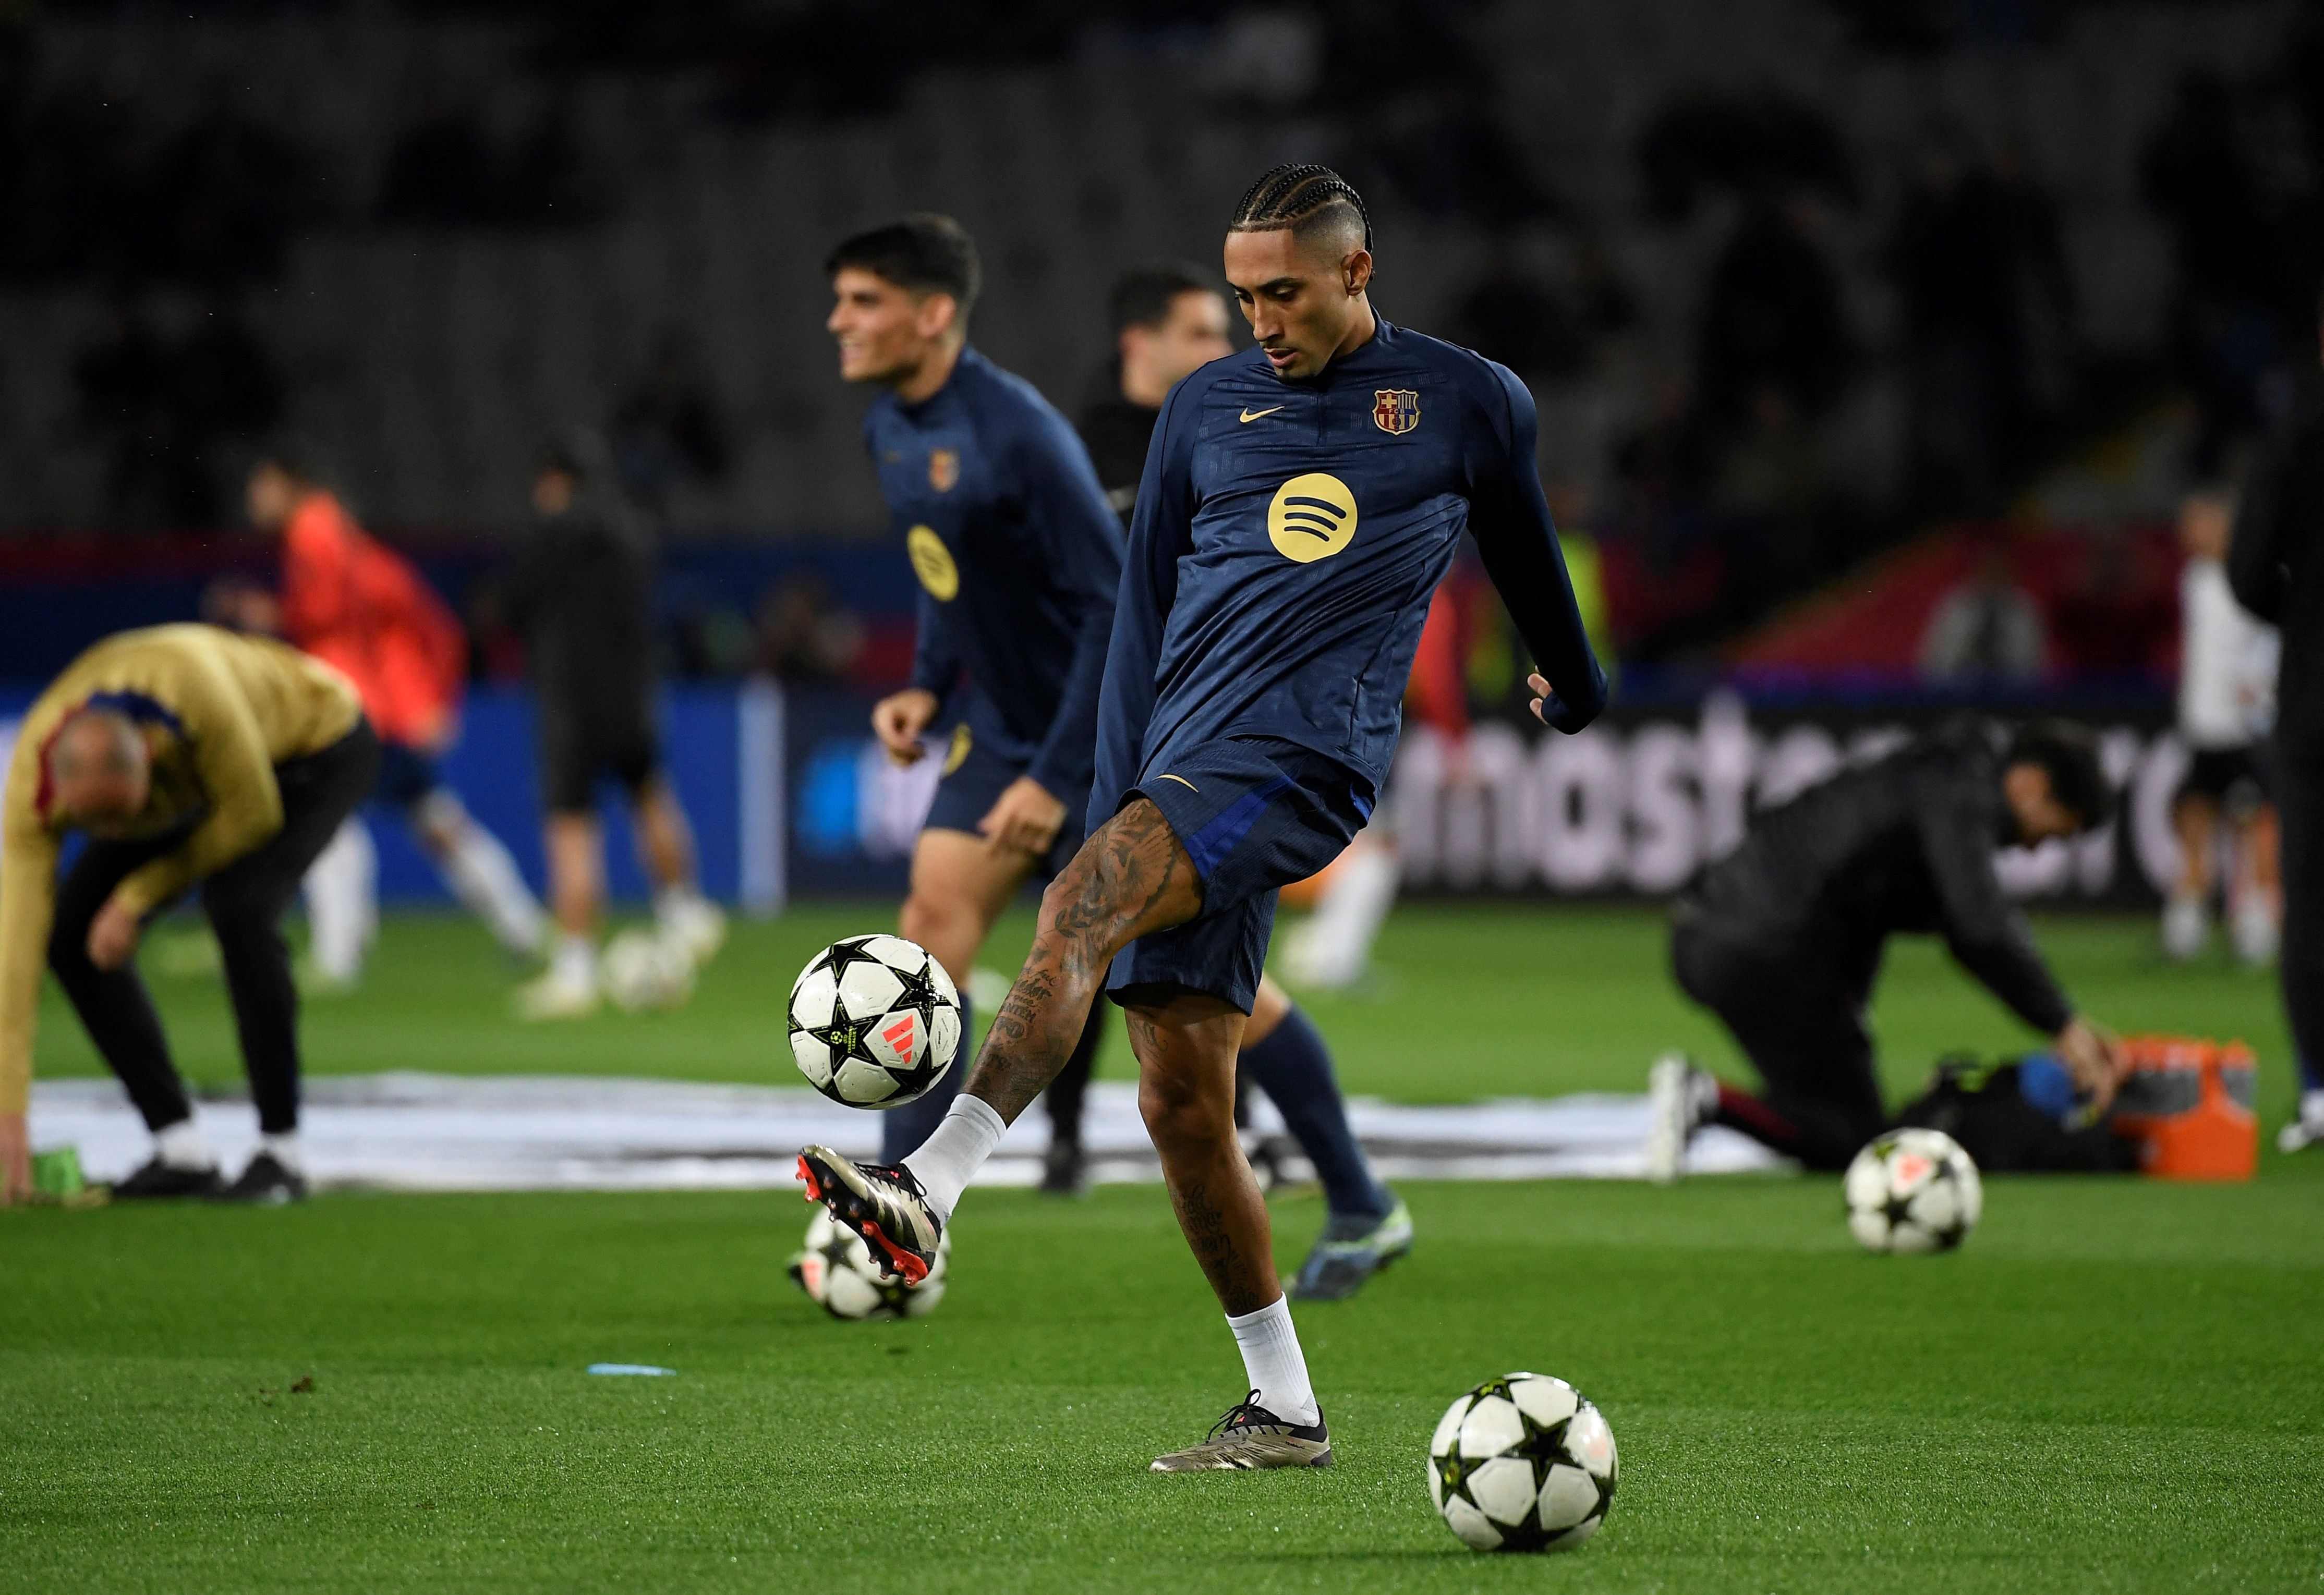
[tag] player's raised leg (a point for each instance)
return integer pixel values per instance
(1130, 878)
(960, 884)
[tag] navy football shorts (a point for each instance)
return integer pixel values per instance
(974, 776)
(1254, 814)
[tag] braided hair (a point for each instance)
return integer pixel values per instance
(1300, 197)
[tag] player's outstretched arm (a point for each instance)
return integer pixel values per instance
(1509, 516)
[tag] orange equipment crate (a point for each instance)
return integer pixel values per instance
(2188, 1104)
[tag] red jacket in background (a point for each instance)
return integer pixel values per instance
(1438, 694)
(356, 604)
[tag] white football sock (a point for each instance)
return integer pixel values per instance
(1273, 1363)
(284, 1148)
(184, 1145)
(483, 877)
(2254, 929)
(953, 1153)
(342, 901)
(575, 962)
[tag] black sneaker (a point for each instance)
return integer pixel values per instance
(158, 1181)
(1352, 1249)
(267, 1182)
(1249, 1436)
(1065, 1170)
(881, 1202)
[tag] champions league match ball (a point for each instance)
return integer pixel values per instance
(1522, 1463)
(1912, 1190)
(643, 971)
(874, 1021)
(835, 1267)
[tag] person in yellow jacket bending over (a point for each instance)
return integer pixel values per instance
(186, 756)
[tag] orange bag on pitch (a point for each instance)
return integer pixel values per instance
(2188, 1104)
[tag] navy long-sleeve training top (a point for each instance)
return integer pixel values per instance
(1017, 556)
(1287, 537)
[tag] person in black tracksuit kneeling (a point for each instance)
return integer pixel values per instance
(1782, 939)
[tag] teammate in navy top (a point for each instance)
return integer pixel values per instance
(1299, 505)
(1017, 556)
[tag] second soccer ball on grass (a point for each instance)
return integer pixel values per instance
(835, 1267)
(874, 1021)
(642, 970)
(1912, 1191)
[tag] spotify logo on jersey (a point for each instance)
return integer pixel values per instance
(932, 563)
(1312, 518)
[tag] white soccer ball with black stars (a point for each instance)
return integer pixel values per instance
(835, 1267)
(874, 1021)
(1523, 1463)
(642, 971)
(1912, 1190)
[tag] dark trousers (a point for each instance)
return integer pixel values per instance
(245, 903)
(1803, 1032)
(2300, 809)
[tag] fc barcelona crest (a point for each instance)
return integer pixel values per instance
(1395, 410)
(944, 468)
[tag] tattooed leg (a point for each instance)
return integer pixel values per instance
(1132, 877)
(1185, 1088)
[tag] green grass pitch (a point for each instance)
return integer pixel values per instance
(2115, 1386)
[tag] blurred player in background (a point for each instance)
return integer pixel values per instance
(2227, 704)
(360, 606)
(1299, 504)
(186, 756)
(1168, 323)
(2277, 570)
(581, 594)
(1782, 938)
(1017, 557)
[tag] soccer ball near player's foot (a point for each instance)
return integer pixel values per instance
(835, 1267)
(1522, 1463)
(1912, 1190)
(641, 970)
(874, 1021)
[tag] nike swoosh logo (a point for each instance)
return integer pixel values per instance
(1252, 415)
(1183, 781)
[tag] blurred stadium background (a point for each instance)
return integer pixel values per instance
(1851, 323)
(1876, 344)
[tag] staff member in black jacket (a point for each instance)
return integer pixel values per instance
(1782, 938)
(2275, 567)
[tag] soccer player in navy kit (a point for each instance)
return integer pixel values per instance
(1300, 504)
(1017, 556)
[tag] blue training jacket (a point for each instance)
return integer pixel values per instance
(1288, 538)
(1018, 555)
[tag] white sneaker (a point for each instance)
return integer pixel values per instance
(1677, 1094)
(2255, 935)
(695, 923)
(2185, 928)
(2308, 1129)
(555, 996)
